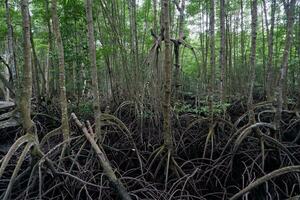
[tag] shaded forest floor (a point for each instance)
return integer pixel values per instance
(214, 164)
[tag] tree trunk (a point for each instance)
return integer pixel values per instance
(263, 52)
(289, 9)
(212, 56)
(26, 86)
(35, 68)
(270, 34)
(10, 39)
(11, 59)
(155, 26)
(222, 49)
(134, 41)
(93, 63)
(61, 60)
(177, 44)
(49, 64)
(243, 52)
(252, 59)
(168, 138)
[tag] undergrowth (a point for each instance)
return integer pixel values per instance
(229, 159)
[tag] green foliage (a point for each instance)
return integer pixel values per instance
(218, 108)
(3, 26)
(83, 109)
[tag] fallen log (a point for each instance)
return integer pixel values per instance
(109, 172)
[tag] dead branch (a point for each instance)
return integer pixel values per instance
(109, 172)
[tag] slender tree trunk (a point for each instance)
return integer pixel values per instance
(177, 43)
(263, 53)
(168, 138)
(212, 56)
(46, 73)
(243, 52)
(235, 53)
(270, 34)
(181, 19)
(222, 49)
(229, 57)
(155, 26)
(35, 67)
(92, 57)
(11, 54)
(252, 59)
(134, 40)
(10, 39)
(50, 50)
(289, 9)
(26, 86)
(61, 60)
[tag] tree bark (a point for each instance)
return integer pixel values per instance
(168, 137)
(243, 52)
(252, 59)
(222, 49)
(61, 60)
(212, 56)
(155, 26)
(289, 9)
(177, 44)
(49, 64)
(270, 39)
(134, 41)
(26, 86)
(35, 67)
(11, 52)
(93, 63)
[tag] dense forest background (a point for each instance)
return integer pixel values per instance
(181, 99)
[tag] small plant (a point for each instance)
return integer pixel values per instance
(218, 108)
(84, 108)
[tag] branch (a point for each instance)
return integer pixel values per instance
(9, 70)
(153, 34)
(177, 5)
(265, 178)
(107, 168)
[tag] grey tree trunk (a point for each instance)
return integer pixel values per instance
(49, 56)
(93, 63)
(252, 59)
(270, 39)
(26, 86)
(177, 44)
(289, 9)
(168, 137)
(61, 60)
(12, 58)
(212, 55)
(222, 49)
(212, 44)
(134, 41)
(10, 41)
(155, 26)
